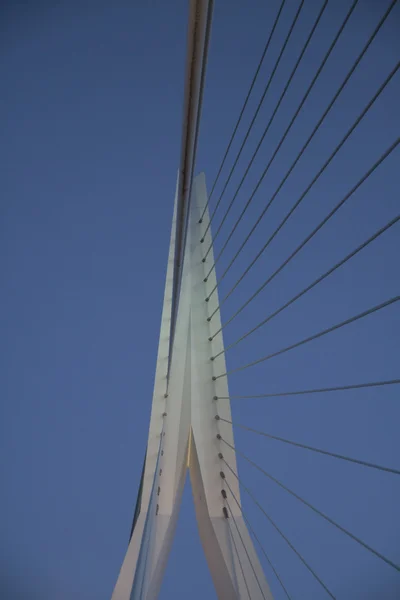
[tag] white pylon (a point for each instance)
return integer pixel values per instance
(183, 435)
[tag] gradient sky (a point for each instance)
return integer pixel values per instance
(91, 110)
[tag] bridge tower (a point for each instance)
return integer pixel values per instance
(184, 432)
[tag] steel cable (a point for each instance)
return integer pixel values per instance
(254, 118)
(265, 553)
(280, 533)
(245, 549)
(313, 284)
(311, 448)
(320, 334)
(342, 86)
(314, 180)
(310, 236)
(316, 510)
(243, 109)
(240, 562)
(292, 74)
(315, 390)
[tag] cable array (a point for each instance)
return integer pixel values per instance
(240, 562)
(253, 533)
(312, 448)
(305, 563)
(312, 285)
(373, 103)
(311, 136)
(255, 77)
(315, 336)
(244, 547)
(292, 74)
(316, 510)
(310, 236)
(358, 250)
(261, 102)
(317, 176)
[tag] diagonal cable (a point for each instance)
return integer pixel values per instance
(312, 448)
(311, 570)
(314, 283)
(314, 180)
(243, 109)
(292, 74)
(322, 118)
(264, 552)
(316, 510)
(320, 334)
(339, 388)
(240, 562)
(254, 118)
(245, 549)
(311, 235)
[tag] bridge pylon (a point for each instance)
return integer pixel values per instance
(183, 436)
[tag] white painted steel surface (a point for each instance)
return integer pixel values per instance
(183, 433)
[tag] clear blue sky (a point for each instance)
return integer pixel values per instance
(91, 110)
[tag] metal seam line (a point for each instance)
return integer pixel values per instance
(292, 74)
(344, 83)
(315, 391)
(281, 534)
(313, 232)
(313, 284)
(313, 449)
(243, 109)
(255, 116)
(316, 510)
(315, 336)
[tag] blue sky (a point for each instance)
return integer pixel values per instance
(91, 116)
